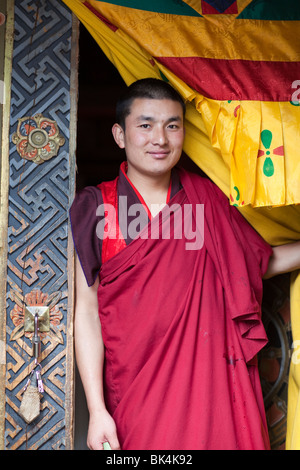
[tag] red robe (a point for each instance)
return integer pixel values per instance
(181, 330)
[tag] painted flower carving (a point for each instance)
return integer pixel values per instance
(2, 19)
(37, 138)
(35, 298)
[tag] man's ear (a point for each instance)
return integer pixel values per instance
(119, 136)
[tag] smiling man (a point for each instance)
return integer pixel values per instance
(166, 337)
(152, 135)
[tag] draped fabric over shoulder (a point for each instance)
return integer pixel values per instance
(182, 328)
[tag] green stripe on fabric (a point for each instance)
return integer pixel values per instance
(281, 10)
(172, 7)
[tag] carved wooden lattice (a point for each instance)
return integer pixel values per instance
(39, 197)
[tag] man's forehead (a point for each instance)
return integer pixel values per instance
(147, 108)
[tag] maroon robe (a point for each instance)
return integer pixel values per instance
(181, 330)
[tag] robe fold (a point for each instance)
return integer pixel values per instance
(182, 329)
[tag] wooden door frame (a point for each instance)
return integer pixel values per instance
(5, 142)
(5, 115)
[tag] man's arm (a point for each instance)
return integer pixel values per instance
(285, 258)
(89, 357)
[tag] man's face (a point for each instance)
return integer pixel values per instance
(153, 136)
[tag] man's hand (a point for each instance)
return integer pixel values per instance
(102, 429)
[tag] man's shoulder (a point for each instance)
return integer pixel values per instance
(200, 180)
(86, 198)
(88, 190)
(206, 190)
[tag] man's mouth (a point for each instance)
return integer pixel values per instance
(159, 154)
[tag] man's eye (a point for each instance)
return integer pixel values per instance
(145, 126)
(173, 126)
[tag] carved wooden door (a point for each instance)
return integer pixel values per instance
(38, 44)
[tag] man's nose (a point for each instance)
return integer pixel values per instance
(159, 135)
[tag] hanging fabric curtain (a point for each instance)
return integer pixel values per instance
(237, 62)
(237, 65)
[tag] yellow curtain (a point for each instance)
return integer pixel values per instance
(230, 140)
(247, 68)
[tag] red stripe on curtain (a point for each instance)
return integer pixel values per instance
(102, 18)
(222, 79)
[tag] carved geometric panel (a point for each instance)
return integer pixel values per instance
(38, 254)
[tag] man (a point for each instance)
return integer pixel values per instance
(172, 362)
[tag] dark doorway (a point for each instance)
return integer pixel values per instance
(100, 85)
(98, 158)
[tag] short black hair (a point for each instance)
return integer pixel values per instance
(147, 88)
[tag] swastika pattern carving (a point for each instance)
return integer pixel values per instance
(38, 219)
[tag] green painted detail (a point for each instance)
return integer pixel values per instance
(237, 193)
(278, 10)
(163, 76)
(266, 138)
(268, 167)
(172, 7)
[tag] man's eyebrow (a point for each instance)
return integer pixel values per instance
(145, 118)
(152, 119)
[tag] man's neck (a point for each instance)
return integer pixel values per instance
(153, 189)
